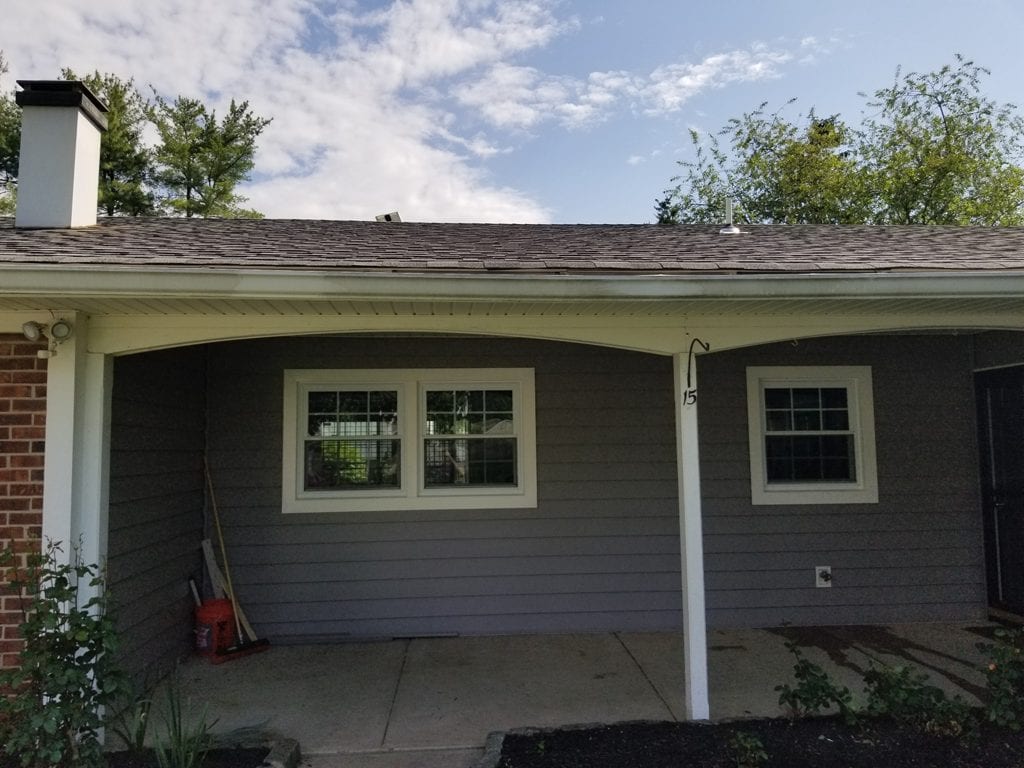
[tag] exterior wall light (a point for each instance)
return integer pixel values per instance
(58, 332)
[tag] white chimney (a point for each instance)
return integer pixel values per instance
(59, 166)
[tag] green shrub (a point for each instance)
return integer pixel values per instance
(67, 673)
(747, 750)
(903, 694)
(814, 691)
(186, 738)
(1004, 678)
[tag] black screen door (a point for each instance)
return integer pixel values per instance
(1000, 395)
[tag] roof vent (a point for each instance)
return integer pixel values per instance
(729, 228)
(393, 216)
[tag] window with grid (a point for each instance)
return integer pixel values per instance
(811, 435)
(362, 440)
(469, 438)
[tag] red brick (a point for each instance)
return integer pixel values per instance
(39, 419)
(17, 419)
(27, 460)
(15, 446)
(28, 433)
(25, 489)
(24, 518)
(16, 505)
(16, 390)
(15, 475)
(28, 377)
(20, 363)
(28, 405)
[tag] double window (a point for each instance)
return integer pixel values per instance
(408, 439)
(811, 435)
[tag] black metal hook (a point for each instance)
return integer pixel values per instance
(689, 358)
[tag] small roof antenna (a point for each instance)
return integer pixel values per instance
(729, 228)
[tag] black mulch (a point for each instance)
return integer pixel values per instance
(237, 757)
(810, 743)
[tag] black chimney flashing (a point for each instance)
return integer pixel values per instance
(63, 93)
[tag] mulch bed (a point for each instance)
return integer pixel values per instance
(810, 743)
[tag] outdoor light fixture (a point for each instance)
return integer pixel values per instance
(58, 332)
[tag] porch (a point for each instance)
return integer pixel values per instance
(433, 701)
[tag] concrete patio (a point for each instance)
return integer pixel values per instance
(432, 702)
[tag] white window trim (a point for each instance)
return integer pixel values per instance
(411, 385)
(857, 380)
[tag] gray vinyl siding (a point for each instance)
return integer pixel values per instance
(156, 502)
(916, 555)
(998, 348)
(600, 551)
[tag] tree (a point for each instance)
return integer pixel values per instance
(126, 164)
(10, 145)
(200, 161)
(935, 151)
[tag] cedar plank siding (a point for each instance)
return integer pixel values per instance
(22, 448)
(600, 552)
(916, 555)
(156, 502)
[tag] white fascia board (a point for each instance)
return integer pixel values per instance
(122, 281)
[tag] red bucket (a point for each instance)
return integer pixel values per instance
(215, 627)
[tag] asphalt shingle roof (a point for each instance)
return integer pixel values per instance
(512, 248)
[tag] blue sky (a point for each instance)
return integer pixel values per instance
(515, 110)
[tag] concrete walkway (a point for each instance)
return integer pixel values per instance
(432, 702)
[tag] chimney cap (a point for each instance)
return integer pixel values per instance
(63, 93)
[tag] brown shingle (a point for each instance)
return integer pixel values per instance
(511, 248)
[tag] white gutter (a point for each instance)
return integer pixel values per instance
(172, 282)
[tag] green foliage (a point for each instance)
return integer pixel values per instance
(814, 691)
(933, 150)
(186, 737)
(200, 160)
(10, 145)
(126, 164)
(130, 720)
(747, 750)
(67, 673)
(903, 694)
(1004, 678)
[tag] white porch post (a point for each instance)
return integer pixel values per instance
(691, 543)
(75, 477)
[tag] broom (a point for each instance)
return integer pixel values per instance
(242, 646)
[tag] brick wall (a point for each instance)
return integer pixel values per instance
(22, 430)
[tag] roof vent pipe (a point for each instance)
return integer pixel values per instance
(59, 166)
(729, 228)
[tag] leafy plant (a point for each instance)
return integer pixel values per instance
(186, 738)
(67, 673)
(814, 691)
(1004, 678)
(130, 719)
(904, 694)
(747, 750)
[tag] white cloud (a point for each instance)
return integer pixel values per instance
(372, 110)
(351, 135)
(521, 97)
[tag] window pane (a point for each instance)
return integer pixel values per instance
(777, 398)
(470, 462)
(469, 412)
(806, 397)
(778, 421)
(323, 402)
(807, 421)
(835, 420)
(352, 464)
(810, 458)
(833, 397)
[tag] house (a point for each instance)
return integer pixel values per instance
(440, 429)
